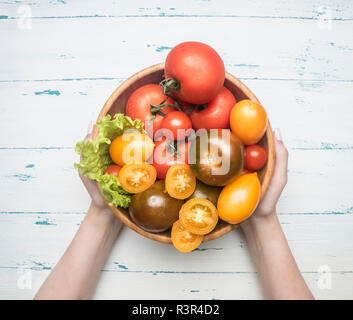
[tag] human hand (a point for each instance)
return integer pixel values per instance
(98, 202)
(267, 206)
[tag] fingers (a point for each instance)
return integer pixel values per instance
(281, 162)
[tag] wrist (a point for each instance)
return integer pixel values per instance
(101, 216)
(260, 222)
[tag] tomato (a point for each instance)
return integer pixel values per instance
(113, 170)
(255, 157)
(239, 199)
(136, 178)
(131, 147)
(153, 209)
(167, 154)
(248, 120)
(215, 114)
(183, 149)
(245, 171)
(216, 157)
(206, 192)
(178, 123)
(139, 106)
(198, 216)
(197, 71)
(184, 240)
(180, 182)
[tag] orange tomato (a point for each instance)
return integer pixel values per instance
(184, 240)
(135, 178)
(131, 147)
(239, 199)
(248, 120)
(199, 216)
(180, 181)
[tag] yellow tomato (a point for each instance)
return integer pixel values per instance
(135, 178)
(180, 182)
(132, 147)
(239, 199)
(248, 120)
(198, 216)
(184, 240)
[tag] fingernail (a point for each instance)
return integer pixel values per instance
(278, 134)
(90, 127)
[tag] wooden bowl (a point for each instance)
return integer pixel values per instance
(154, 74)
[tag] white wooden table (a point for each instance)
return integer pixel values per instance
(58, 67)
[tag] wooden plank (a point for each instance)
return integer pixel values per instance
(315, 241)
(198, 275)
(118, 47)
(115, 285)
(45, 180)
(270, 9)
(312, 115)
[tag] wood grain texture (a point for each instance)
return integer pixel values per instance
(78, 52)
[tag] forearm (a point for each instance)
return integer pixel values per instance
(277, 269)
(76, 274)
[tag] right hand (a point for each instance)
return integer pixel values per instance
(267, 206)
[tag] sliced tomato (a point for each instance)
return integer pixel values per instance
(180, 181)
(198, 216)
(183, 240)
(135, 178)
(113, 170)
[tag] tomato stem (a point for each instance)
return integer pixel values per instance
(170, 85)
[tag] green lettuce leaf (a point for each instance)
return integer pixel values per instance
(95, 156)
(113, 192)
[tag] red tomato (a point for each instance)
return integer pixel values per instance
(166, 154)
(183, 148)
(199, 72)
(178, 123)
(216, 114)
(255, 157)
(113, 169)
(139, 106)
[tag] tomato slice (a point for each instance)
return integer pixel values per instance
(183, 240)
(198, 216)
(180, 181)
(137, 177)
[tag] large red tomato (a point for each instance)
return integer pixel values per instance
(215, 115)
(198, 70)
(167, 154)
(140, 106)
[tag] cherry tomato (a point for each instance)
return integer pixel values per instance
(184, 240)
(255, 157)
(180, 182)
(215, 114)
(113, 170)
(198, 216)
(153, 209)
(135, 178)
(248, 120)
(178, 123)
(139, 106)
(239, 199)
(245, 171)
(132, 147)
(167, 154)
(198, 70)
